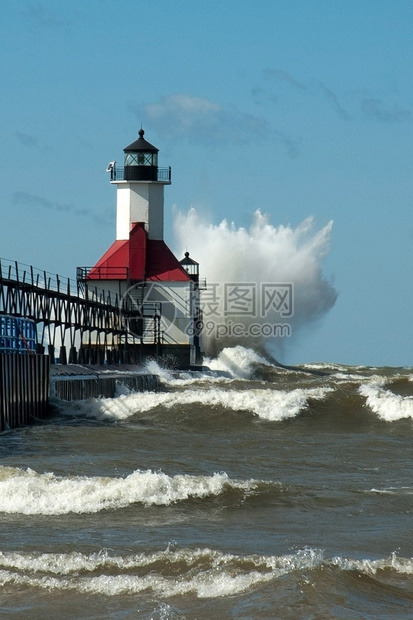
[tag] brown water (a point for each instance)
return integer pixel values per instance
(282, 495)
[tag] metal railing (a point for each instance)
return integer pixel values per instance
(104, 272)
(17, 334)
(117, 173)
(40, 280)
(26, 274)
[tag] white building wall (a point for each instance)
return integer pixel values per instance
(132, 205)
(175, 300)
(156, 194)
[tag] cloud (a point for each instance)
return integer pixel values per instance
(291, 145)
(27, 139)
(308, 88)
(37, 15)
(199, 120)
(374, 109)
(334, 101)
(260, 95)
(31, 200)
(283, 76)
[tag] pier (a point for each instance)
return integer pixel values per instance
(61, 339)
(72, 321)
(24, 388)
(77, 382)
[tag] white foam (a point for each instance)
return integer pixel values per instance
(238, 361)
(387, 405)
(202, 572)
(393, 491)
(232, 363)
(209, 573)
(176, 378)
(268, 404)
(327, 366)
(371, 567)
(29, 492)
(203, 586)
(165, 375)
(349, 378)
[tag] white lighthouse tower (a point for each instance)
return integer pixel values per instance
(159, 295)
(140, 189)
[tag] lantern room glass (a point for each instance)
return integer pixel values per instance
(141, 159)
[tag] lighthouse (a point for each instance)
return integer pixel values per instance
(159, 295)
(140, 189)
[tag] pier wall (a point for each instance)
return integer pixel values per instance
(76, 382)
(28, 384)
(24, 388)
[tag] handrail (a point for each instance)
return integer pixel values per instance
(27, 275)
(103, 272)
(17, 334)
(118, 174)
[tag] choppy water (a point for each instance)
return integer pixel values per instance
(260, 493)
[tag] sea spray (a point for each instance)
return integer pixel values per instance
(239, 362)
(264, 284)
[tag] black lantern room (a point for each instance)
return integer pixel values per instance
(191, 267)
(141, 160)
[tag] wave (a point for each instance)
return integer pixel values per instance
(203, 572)
(395, 564)
(267, 404)
(173, 378)
(239, 362)
(329, 366)
(392, 491)
(232, 363)
(383, 402)
(207, 573)
(30, 493)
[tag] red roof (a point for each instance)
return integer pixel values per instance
(141, 258)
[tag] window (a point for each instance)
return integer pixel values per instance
(141, 159)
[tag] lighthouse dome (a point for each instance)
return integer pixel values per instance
(141, 160)
(140, 145)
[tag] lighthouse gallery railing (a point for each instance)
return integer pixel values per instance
(118, 174)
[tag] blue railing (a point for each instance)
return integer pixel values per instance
(17, 335)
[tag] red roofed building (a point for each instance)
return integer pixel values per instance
(139, 258)
(159, 293)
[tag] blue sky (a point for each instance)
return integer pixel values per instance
(296, 107)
